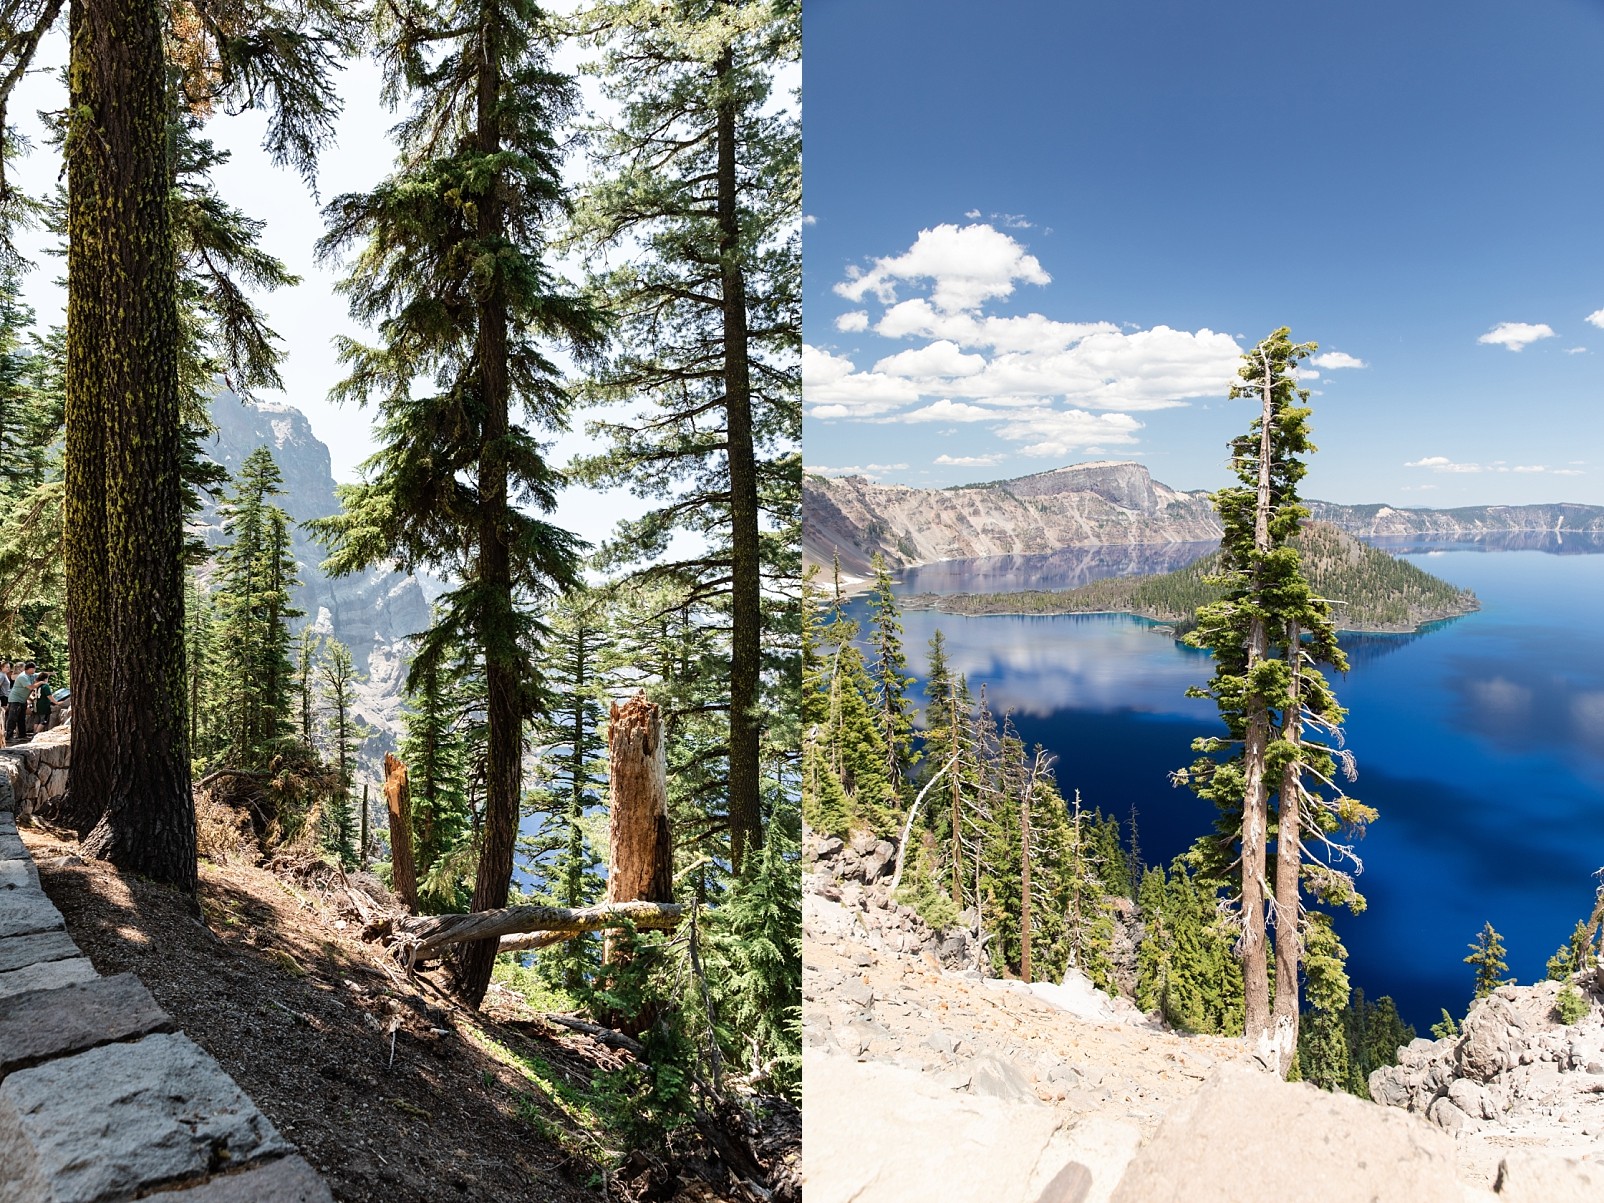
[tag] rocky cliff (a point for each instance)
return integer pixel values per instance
(1097, 504)
(374, 613)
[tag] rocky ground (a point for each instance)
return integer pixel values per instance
(924, 1079)
(1514, 1078)
(387, 1086)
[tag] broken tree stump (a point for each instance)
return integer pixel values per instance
(398, 799)
(640, 853)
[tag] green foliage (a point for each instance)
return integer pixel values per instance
(1378, 592)
(343, 734)
(1573, 956)
(1570, 1006)
(754, 963)
(1447, 1028)
(1487, 957)
(250, 646)
(1185, 967)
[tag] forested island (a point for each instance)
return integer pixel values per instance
(1369, 590)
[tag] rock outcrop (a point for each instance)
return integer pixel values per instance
(36, 771)
(374, 613)
(1096, 504)
(1515, 1071)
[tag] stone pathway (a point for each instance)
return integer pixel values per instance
(100, 1098)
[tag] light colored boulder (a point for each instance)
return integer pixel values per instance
(1247, 1137)
(875, 1133)
(1530, 1177)
(106, 1123)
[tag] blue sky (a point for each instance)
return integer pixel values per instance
(1040, 233)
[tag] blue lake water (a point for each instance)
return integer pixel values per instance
(1481, 743)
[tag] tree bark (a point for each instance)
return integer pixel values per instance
(398, 800)
(1255, 801)
(746, 602)
(640, 853)
(433, 932)
(1024, 895)
(498, 638)
(1288, 862)
(122, 550)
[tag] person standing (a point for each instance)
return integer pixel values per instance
(17, 708)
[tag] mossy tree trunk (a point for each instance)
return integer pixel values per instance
(499, 632)
(124, 520)
(746, 604)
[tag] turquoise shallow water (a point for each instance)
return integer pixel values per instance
(1481, 742)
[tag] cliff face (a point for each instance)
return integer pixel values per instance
(374, 613)
(1078, 506)
(1093, 504)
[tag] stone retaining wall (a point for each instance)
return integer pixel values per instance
(101, 1098)
(37, 770)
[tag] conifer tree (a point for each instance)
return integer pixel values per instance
(1487, 957)
(255, 574)
(451, 268)
(1267, 634)
(889, 671)
(435, 751)
(345, 734)
(701, 183)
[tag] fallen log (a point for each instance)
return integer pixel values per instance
(421, 935)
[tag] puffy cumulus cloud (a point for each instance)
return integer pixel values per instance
(1030, 332)
(947, 411)
(1305, 374)
(1060, 433)
(853, 322)
(1108, 369)
(1596, 317)
(1516, 335)
(833, 388)
(1332, 361)
(970, 461)
(967, 266)
(933, 361)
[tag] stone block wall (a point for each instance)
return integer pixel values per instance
(37, 770)
(101, 1098)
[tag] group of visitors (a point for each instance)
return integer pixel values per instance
(30, 704)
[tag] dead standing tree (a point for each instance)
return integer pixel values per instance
(640, 877)
(398, 801)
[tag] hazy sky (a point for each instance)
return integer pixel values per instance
(1042, 233)
(310, 315)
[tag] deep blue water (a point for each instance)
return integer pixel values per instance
(1481, 743)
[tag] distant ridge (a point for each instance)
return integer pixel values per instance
(1087, 505)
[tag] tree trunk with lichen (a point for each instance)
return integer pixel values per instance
(122, 551)
(746, 563)
(398, 801)
(499, 635)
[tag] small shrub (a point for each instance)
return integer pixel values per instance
(1570, 1006)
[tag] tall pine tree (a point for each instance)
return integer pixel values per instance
(451, 269)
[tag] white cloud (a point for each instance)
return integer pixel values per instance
(947, 411)
(1060, 433)
(1333, 360)
(968, 265)
(1441, 463)
(853, 322)
(971, 214)
(932, 361)
(834, 389)
(1576, 350)
(1596, 317)
(809, 220)
(1516, 335)
(970, 461)
(1305, 374)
